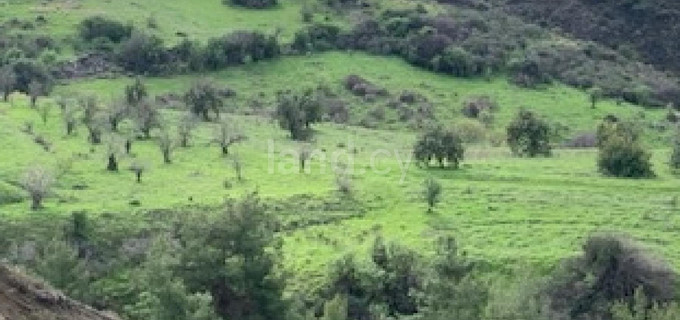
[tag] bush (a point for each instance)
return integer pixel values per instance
(256, 4)
(143, 54)
(101, 27)
(527, 135)
(317, 37)
(620, 157)
(474, 106)
(610, 269)
(238, 48)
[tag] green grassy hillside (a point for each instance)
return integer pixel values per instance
(503, 209)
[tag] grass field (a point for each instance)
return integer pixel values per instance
(504, 210)
(198, 19)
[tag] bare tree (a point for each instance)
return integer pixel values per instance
(35, 90)
(68, 115)
(92, 118)
(37, 181)
(185, 129)
(227, 135)
(166, 145)
(112, 153)
(116, 113)
(237, 165)
(146, 118)
(303, 155)
(138, 168)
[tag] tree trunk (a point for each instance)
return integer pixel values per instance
(113, 163)
(36, 202)
(139, 176)
(225, 150)
(128, 146)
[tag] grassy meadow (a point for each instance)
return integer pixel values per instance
(503, 210)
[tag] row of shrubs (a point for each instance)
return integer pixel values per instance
(472, 43)
(142, 53)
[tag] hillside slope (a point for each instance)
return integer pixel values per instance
(24, 298)
(649, 27)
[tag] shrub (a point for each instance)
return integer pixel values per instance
(443, 146)
(621, 154)
(527, 135)
(610, 269)
(238, 48)
(144, 54)
(27, 72)
(255, 4)
(455, 61)
(470, 131)
(317, 37)
(101, 27)
(620, 157)
(474, 106)
(432, 193)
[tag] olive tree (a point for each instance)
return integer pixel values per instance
(37, 181)
(166, 145)
(227, 135)
(443, 146)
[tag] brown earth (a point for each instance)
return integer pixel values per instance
(23, 298)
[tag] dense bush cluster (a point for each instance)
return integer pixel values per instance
(143, 53)
(629, 26)
(473, 43)
(257, 4)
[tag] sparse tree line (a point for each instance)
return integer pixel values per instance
(226, 264)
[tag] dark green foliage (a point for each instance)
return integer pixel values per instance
(238, 48)
(317, 37)
(100, 27)
(144, 54)
(610, 269)
(443, 146)
(232, 255)
(255, 4)
(30, 71)
(621, 153)
(452, 291)
(528, 135)
(296, 112)
(7, 81)
(389, 285)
